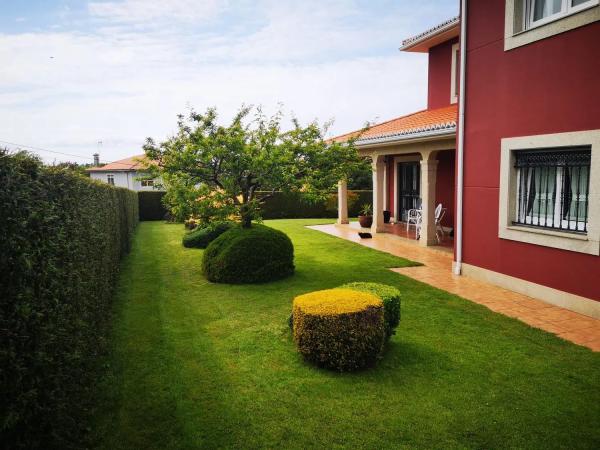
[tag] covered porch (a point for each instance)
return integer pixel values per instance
(410, 179)
(413, 163)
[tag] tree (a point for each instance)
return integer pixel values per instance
(247, 161)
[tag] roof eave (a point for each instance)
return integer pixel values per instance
(421, 136)
(102, 169)
(423, 43)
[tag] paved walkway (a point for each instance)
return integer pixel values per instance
(436, 271)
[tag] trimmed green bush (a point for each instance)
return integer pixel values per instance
(201, 237)
(340, 329)
(249, 255)
(61, 239)
(151, 205)
(389, 295)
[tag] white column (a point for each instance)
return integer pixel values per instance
(378, 187)
(342, 202)
(386, 205)
(428, 178)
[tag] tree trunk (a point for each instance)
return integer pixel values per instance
(246, 216)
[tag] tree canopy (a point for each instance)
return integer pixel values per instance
(234, 168)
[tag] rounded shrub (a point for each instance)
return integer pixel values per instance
(389, 295)
(201, 237)
(249, 255)
(340, 329)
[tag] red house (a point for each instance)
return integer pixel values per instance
(509, 145)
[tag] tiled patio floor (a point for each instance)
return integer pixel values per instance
(437, 272)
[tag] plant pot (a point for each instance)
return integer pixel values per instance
(386, 216)
(365, 221)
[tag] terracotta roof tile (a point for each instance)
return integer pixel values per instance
(132, 163)
(421, 121)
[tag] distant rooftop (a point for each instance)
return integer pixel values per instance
(424, 41)
(132, 163)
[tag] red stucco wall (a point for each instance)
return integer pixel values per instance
(439, 75)
(549, 86)
(444, 187)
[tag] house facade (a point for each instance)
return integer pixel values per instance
(127, 173)
(511, 149)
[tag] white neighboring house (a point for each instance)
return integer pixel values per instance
(125, 173)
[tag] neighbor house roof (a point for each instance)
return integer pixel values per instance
(419, 124)
(132, 163)
(440, 33)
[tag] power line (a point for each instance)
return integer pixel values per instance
(44, 150)
(59, 153)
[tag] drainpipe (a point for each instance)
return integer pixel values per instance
(461, 139)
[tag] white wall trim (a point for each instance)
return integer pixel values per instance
(573, 302)
(514, 36)
(589, 243)
(453, 80)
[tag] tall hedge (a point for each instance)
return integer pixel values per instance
(151, 205)
(291, 205)
(62, 236)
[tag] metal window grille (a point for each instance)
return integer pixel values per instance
(553, 188)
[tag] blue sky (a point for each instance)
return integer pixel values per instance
(118, 71)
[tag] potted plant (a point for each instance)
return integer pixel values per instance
(365, 217)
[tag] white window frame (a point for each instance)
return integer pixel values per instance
(585, 243)
(110, 179)
(147, 183)
(453, 78)
(517, 15)
(566, 10)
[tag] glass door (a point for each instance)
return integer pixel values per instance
(409, 188)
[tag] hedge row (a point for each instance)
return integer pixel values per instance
(291, 205)
(62, 237)
(151, 205)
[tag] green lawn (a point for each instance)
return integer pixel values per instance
(200, 365)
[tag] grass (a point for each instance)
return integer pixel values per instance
(201, 365)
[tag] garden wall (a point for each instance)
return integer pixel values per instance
(284, 205)
(61, 239)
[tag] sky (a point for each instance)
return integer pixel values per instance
(75, 73)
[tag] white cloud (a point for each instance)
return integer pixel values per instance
(145, 10)
(119, 84)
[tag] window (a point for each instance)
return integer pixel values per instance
(147, 183)
(539, 12)
(528, 21)
(455, 74)
(110, 179)
(549, 186)
(553, 188)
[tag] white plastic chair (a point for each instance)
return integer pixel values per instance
(414, 216)
(440, 212)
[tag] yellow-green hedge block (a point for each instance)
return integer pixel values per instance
(340, 329)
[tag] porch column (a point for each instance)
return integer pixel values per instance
(342, 202)
(378, 188)
(428, 178)
(386, 202)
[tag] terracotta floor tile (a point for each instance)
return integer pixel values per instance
(579, 337)
(579, 323)
(437, 271)
(594, 345)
